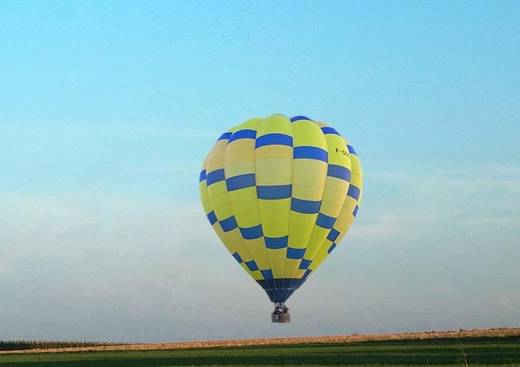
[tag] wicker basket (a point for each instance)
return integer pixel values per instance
(281, 317)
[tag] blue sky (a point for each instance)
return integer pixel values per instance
(107, 110)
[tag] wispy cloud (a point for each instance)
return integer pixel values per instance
(457, 179)
(176, 131)
(128, 268)
(405, 204)
(143, 130)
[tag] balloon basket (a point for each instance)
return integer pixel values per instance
(280, 314)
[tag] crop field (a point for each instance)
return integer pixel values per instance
(475, 351)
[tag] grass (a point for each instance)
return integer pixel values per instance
(441, 352)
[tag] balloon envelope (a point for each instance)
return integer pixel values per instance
(281, 194)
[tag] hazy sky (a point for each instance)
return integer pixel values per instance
(107, 110)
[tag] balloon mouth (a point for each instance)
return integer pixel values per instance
(279, 290)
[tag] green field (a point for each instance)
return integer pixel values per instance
(444, 352)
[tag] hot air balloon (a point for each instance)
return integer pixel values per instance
(281, 193)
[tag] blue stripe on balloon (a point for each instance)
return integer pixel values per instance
(295, 253)
(333, 234)
(240, 181)
(274, 139)
(250, 233)
(225, 136)
(305, 206)
(310, 153)
(325, 221)
(329, 130)
(243, 134)
(275, 242)
(351, 149)
(215, 176)
(306, 274)
(228, 224)
(274, 192)
(212, 217)
(237, 257)
(202, 176)
(267, 274)
(304, 264)
(298, 118)
(353, 192)
(251, 265)
(331, 248)
(334, 170)
(354, 212)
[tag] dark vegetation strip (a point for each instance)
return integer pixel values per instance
(35, 344)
